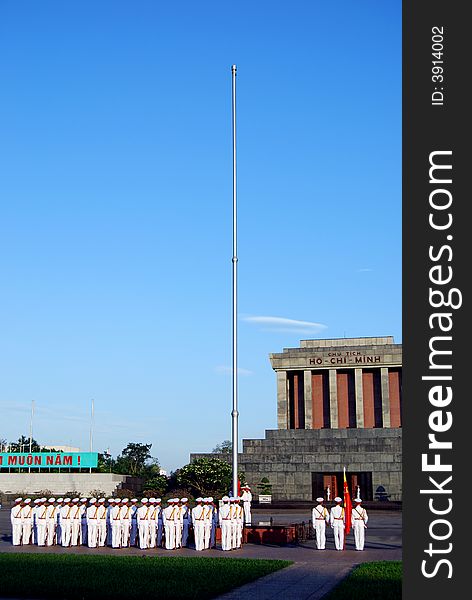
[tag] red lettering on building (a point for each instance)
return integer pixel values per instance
(67, 460)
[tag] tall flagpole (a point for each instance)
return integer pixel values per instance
(31, 431)
(235, 413)
(91, 430)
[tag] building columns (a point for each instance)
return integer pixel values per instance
(308, 400)
(359, 398)
(282, 400)
(384, 383)
(333, 398)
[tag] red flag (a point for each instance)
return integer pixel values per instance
(239, 488)
(347, 509)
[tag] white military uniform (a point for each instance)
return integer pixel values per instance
(179, 524)
(92, 523)
(320, 516)
(115, 520)
(66, 522)
(17, 521)
(76, 519)
(51, 522)
(143, 524)
(238, 526)
(125, 523)
(337, 519)
(359, 520)
(246, 497)
(225, 524)
(41, 522)
(27, 522)
(170, 517)
(102, 515)
(198, 524)
(153, 516)
(207, 522)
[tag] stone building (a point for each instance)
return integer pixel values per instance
(339, 404)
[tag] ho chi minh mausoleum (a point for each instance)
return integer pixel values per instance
(339, 404)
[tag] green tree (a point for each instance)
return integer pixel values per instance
(207, 476)
(133, 458)
(23, 445)
(225, 447)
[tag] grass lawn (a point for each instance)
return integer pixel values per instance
(375, 581)
(126, 577)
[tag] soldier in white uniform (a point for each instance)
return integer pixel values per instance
(115, 520)
(111, 504)
(91, 515)
(60, 504)
(66, 522)
(75, 522)
(359, 520)
(27, 522)
(197, 522)
(41, 522)
(320, 517)
(239, 523)
(102, 516)
(143, 524)
(17, 521)
(246, 497)
(51, 521)
(83, 521)
(133, 533)
(225, 523)
(152, 522)
(337, 520)
(170, 522)
(125, 522)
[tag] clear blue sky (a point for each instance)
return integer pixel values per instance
(115, 187)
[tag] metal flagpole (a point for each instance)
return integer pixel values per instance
(31, 431)
(235, 413)
(91, 431)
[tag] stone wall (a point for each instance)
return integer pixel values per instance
(60, 483)
(289, 457)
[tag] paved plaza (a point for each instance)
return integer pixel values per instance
(311, 576)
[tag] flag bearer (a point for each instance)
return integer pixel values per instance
(320, 516)
(359, 523)
(337, 520)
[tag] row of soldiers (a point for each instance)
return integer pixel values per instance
(121, 523)
(336, 518)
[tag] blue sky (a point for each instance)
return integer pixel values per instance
(115, 192)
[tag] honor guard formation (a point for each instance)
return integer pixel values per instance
(336, 518)
(122, 523)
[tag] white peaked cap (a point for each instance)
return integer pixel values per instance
(19, 500)
(210, 499)
(225, 498)
(27, 500)
(92, 500)
(37, 501)
(111, 499)
(124, 500)
(101, 499)
(320, 499)
(75, 500)
(44, 499)
(60, 499)
(117, 500)
(158, 500)
(144, 500)
(184, 499)
(357, 500)
(83, 499)
(67, 500)
(51, 500)
(151, 500)
(133, 500)
(337, 499)
(199, 499)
